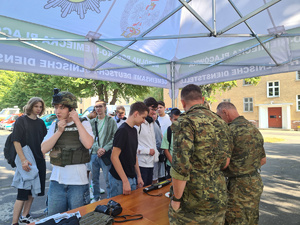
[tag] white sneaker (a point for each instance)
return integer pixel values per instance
(26, 220)
(91, 193)
(102, 191)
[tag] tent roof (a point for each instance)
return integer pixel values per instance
(154, 42)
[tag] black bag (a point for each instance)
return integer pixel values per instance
(9, 148)
(106, 158)
(10, 151)
(162, 156)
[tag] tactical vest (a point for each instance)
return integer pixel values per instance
(68, 149)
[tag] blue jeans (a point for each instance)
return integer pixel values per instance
(97, 163)
(116, 186)
(62, 198)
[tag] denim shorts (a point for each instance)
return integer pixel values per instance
(116, 186)
(62, 198)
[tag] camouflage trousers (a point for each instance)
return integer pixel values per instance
(179, 217)
(243, 200)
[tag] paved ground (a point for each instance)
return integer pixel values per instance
(280, 201)
(8, 193)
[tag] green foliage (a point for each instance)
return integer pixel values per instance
(154, 92)
(17, 88)
(209, 90)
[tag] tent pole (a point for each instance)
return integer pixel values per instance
(142, 35)
(214, 17)
(253, 33)
(196, 15)
(221, 61)
(172, 65)
(248, 16)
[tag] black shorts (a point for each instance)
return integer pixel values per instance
(23, 194)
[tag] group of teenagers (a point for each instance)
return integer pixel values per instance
(212, 158)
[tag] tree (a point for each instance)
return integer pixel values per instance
(210, 89)
(157, 93)
(7, 79)
(19, 87)
(108, 91)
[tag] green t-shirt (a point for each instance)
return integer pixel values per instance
(165, 145)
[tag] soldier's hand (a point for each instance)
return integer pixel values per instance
(61, 125)
(175, 205)
(74, 115)
(152, 152)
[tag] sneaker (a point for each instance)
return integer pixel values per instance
(91, 193)
(27, 219)
(102, 191)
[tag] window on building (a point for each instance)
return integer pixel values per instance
(298, 75)
(246, 83)
(248, 104)
(273, 89)
(226, 100)
(298, 102)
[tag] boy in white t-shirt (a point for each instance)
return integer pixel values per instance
(163, 118)
(69, 140)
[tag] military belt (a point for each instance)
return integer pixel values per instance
(254, 173)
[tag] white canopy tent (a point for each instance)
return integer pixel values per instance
(161, 43)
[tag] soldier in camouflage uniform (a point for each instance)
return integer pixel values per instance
(244, 182)
(202, 147)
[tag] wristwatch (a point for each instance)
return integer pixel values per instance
(173, 198)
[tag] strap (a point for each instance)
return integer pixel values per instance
(158, 123)
(154, 195)
(96, 128)
(125, 218)
(169, 136)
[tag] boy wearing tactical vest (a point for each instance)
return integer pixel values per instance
(69, 140)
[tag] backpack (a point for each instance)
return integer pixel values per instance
(10, 151)
(169, 136)
(9, 148)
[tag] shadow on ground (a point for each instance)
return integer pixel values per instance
(280, 200)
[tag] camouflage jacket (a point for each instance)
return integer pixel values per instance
(248, 148)
(201, 146)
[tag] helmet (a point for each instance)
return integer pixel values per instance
(64, 98)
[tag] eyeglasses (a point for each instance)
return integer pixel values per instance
(152, 109)
(99, 106)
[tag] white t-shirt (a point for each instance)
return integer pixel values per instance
(146, 141)
(120, 122)
(164, 122)
(70, 174)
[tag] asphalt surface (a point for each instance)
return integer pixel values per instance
(9, 194)
(280, 201)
